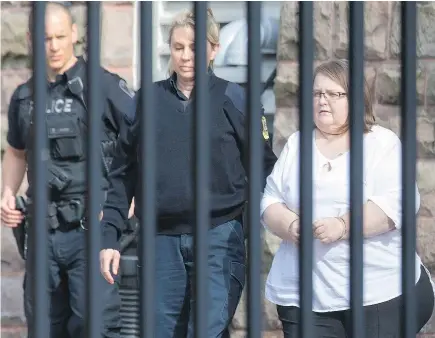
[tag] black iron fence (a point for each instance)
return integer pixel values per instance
(202, 167)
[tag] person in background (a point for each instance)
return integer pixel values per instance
(175, 294)
(381, 226)
(66, 118)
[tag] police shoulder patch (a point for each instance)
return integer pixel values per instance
(265, 131)
(124, 87)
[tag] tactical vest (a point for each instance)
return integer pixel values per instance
(77, 86)
(66, 126)
(66, 131)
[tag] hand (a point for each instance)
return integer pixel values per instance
(10, 216)
(131, 211)
(109, 257)
(329, 229)
(293, 231)
(100, 216)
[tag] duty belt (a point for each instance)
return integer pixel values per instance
(66, 215)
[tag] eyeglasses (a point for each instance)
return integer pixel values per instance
(330, 96)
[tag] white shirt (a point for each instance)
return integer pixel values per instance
(382, 184)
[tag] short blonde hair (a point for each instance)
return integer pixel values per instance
(187, 19)
(338, 71)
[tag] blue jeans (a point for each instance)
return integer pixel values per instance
(175, 297)
(67, 288)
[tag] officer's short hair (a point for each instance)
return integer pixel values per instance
(65, 5)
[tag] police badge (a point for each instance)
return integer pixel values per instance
(265, 131)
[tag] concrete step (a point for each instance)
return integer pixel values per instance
(13, 332)
(12, 310)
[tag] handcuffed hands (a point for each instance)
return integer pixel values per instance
(329, 230)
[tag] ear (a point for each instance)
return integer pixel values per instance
(214, 50)
(74, 33)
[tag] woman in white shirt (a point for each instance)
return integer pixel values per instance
(382, 220)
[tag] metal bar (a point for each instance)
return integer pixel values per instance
(306, 60)
(270, 81)
(256, 152)
(94, 171)
(201, 146)
(148, 168)
(38, 229)
(356, 120)
(408, 134)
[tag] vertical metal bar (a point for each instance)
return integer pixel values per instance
(94, 170)
(306, 59)
(408, 133)
(356, 120)
(202, 166)
(256, 152)
(148, 168)
(39, 162)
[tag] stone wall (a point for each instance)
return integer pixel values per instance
(382, 49)
(382, 41)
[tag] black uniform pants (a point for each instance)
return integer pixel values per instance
(382, 320)
(67, 282)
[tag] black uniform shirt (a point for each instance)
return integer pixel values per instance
(67, 94)
(119, 106)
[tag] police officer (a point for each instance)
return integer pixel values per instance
(174, 274)
(66, 127)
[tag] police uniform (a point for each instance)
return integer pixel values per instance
(66, 130)
(175, 202)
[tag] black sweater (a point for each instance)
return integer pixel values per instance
(174, 195)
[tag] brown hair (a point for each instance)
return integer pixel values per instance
(338, 71)
(187, 19)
